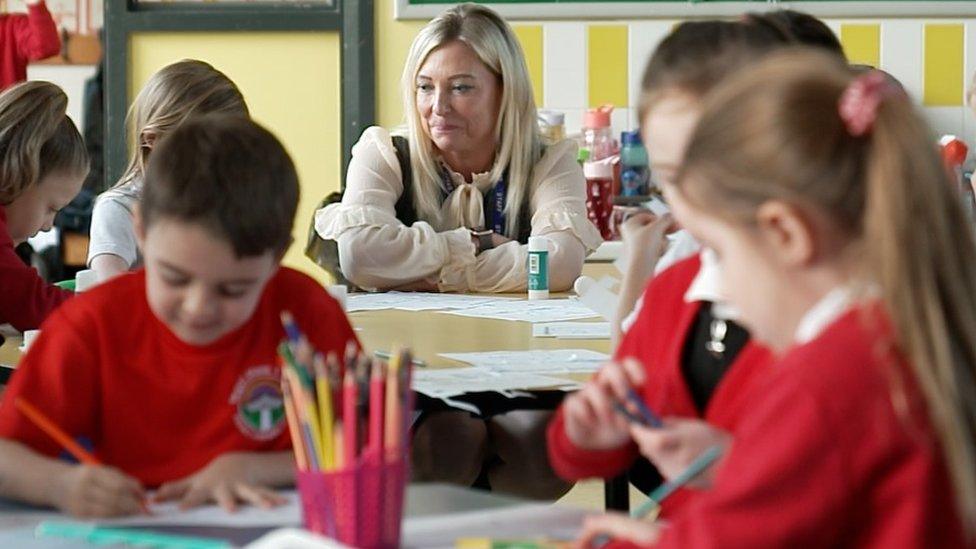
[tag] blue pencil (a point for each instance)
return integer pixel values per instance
(701, 463)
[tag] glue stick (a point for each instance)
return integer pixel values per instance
(538, 267)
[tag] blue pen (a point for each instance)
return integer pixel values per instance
(646, 418)
(650, 417)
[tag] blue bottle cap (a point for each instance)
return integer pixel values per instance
(630, 138)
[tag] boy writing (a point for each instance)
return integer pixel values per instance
(171, 372)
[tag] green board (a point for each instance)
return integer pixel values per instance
(661, 9)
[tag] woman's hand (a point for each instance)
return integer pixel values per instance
(599, 529)
(590, 419)
(422, 285)
(675, 446)
(226, 481)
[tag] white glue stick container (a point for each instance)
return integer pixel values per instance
(538, 267)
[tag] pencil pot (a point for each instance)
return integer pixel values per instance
(360, 506)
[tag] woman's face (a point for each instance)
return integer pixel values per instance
(458, 98)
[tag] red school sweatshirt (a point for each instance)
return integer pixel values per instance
(25, 38)
(25, 298)
(657, 339)
(837, 451)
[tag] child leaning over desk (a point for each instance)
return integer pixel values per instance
(171, 372)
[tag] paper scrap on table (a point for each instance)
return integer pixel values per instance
(572, 330)
(246, 516)
(536, 361)
(451, 382)
(543, 310)
(416, 301)
(517, 522)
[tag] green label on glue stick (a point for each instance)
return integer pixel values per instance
(539, 270)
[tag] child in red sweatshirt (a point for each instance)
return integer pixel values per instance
(693, 359)
(171, 372)
(25, 38)
(846, 251)
(43, 163)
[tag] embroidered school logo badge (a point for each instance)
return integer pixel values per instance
(260, 405)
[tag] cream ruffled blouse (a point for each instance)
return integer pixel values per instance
(379, 252)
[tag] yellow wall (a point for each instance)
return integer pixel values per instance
(301, 107)
(393, 40)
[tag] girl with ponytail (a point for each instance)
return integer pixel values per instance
(43, 163)
(845, 250)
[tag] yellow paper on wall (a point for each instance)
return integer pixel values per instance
(530, 36)
(607, 58)
(944, 65)
(862, 44)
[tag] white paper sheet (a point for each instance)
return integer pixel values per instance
(247, 516)
(572, 330)
(416, 301)
(545, 310)
(451, 382)
(537, 361)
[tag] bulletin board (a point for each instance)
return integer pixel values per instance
(649, 9)
(74, 16)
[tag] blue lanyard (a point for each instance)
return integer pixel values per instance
(494, 202)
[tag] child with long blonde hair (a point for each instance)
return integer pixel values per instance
(845, 250)
(173, 95)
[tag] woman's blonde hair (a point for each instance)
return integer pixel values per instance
(516, 133)
(172, 95)
(775, 133)
(36, 138)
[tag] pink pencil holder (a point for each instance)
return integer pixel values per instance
(360, 506)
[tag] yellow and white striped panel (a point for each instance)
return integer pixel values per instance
(580, 64)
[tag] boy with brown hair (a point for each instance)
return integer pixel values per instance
(171, 372)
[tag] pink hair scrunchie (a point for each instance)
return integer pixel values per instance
(858, 105)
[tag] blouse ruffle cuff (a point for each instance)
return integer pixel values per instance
(335, 219)
(560, 217)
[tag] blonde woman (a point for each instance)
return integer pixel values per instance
(172, 95)
(477, 181)
(447, 204)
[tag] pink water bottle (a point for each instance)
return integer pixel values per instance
(599, 195)
(597, 136)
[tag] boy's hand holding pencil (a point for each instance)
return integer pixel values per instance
(91, 489)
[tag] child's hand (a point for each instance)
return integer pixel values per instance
(225, 481)
(97, 491)
(597, 528)
(643, 234)
(673, 447)
(589, 415)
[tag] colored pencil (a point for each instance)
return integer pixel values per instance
(50, 429)
(391, 439)
(376, 390)
(294, 428)
(350, 422)
(324, 393)
(699, 465)
(305, 419)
